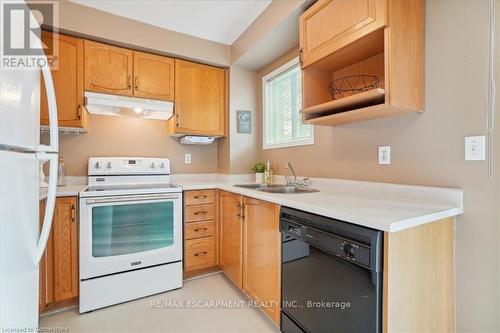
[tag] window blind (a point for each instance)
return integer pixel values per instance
(283, 102)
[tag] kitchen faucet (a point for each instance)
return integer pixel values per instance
(289, 166)
(305, 182)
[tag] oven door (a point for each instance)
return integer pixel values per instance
(324, 293)
(124, 233)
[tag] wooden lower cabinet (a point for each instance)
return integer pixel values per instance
(231, 238)
(262, 255)
(199, 253)
(418, 290)
(200, 235)
(250, 249)
(59, 280)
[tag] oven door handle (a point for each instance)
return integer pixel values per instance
(134, 198)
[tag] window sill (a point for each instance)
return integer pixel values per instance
(297, 143)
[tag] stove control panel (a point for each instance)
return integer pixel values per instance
(99, 166)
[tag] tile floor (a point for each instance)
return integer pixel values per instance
(141, 316)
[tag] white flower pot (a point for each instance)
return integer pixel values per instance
(259, 177)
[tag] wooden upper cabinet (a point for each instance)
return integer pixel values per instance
(330, 25)
(230, 228)
(108, 69)
(67, 76)
(200, 99)
(373, 46)
(153, 76)
(262, 255)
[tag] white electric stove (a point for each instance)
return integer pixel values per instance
(130, 231)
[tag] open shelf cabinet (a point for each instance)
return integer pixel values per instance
(393, 52)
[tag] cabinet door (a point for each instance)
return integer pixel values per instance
(330, 25)
(231, 236)
(65, 249)
(108, 69)
(153, 76)
(200, 99)
(262, 255)
(43, 297)
(67, 75)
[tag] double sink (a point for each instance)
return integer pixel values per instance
(276, 188)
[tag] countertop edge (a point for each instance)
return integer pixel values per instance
(391, 227)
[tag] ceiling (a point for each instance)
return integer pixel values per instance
(221, 21)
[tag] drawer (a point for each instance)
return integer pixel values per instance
(199, 197)
(198, 229)
(199, 213)
(199, 253)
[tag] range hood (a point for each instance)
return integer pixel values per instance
(113, 105)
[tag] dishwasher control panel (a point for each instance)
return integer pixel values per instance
(341, 247)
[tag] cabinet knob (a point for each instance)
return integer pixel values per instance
(129, 83)
(136, 83)
(199, 254)
(73, 213)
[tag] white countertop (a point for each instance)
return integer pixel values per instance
(382, 206)
(386, 207)
(72, 188)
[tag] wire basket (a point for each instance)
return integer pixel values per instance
(352, 85)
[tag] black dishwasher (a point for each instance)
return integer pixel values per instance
(331, 275)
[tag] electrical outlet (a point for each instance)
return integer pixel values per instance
(475, 148)
(384, 155)
(187, 158)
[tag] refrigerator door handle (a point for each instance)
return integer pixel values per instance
(49, 206)
(53, 121)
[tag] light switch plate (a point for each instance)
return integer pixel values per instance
(384, 155)
(475, 148)
(187, 158)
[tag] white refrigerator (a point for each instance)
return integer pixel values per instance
(22, 241)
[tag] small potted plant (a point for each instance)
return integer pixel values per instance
(259, 169)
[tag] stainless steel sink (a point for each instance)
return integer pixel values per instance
(289, 189)
(258, 186)
(277, 188)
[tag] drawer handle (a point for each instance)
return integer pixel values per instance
(73, 213)
(200, 212)
(200, 229)
(200, 196)
(201, 254)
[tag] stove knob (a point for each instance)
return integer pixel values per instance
(152, 165)
(162, 165)
(108, 165)
(97, 165)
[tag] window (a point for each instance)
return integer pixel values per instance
(282, 91)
